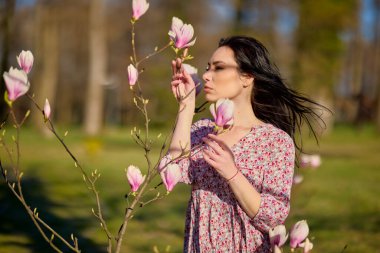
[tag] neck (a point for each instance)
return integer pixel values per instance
(244, 115)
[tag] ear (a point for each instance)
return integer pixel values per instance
(247, 80)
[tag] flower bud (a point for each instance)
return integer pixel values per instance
(25, 60)
(134, 177)
(17, 83)
(139, 7)
(298, 233)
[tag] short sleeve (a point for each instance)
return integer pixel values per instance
(277, 183)
(198, 130)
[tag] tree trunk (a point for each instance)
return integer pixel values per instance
(47, 54)
(377, 61)
(6, 32)
(97, 60)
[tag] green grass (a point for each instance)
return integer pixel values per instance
(339, 200)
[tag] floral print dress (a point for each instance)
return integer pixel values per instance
(215, 221)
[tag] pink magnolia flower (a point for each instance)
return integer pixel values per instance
(132, 75)
(135, 177)
(181, 34)
(171, 176)
(298, 233)
(17, 83)
(304, 160)
(307, 246)
(47, 109)
(315, 161)
(139, 8)
(193, 72)
(25, 60)
(278, 236)
(223, 112)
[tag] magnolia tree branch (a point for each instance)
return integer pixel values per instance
(89, 181)
(37, 221)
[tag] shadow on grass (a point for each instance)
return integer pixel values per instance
(16, 224)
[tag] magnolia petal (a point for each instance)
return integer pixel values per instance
(171, 176)
(47, 109)
(134, 177)
(307, 246)
(139, 7)
(212, 110)
(276, 249)
(278, 236)
(132, 74)
(25, 60)
(16, 82)
(298, 233)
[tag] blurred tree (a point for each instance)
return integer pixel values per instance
(349, 86)
(7, 13)
(47, 53)
(93, 117)
(376, 67)
(320, 47)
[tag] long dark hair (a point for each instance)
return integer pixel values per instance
(272, 100)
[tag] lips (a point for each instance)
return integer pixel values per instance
(207, 89)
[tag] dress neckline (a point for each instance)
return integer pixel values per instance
(258, 126)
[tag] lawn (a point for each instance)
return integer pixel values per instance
(339, 200)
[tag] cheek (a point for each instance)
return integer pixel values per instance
(227, 80)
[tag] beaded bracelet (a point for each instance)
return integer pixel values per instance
(237, 171)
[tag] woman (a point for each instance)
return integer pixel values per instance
(241, 179)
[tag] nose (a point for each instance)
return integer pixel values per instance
(206, 76)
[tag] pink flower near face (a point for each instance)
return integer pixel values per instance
(134, 177)
(298, 233)
(193, 72)
(25, 60)
(139, 8)
(47, 109)
(17, 83)
(171, 176)
(278, 236)
(307, 246)
(223, 112)
(181, 34)
(132, 75)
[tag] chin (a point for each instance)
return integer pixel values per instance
(211, 98)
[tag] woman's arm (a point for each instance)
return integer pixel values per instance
(270, 207)
(221, 159)
(183, 89)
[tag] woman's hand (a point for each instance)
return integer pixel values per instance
(219, 156)
(182, 84)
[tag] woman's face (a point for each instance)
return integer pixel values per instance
(222, 78)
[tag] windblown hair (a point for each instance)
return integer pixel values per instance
(272, 100)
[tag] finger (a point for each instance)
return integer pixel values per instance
(215, 146)
(176, 82)
(213, 156)
(208, 160)
(178, 65)
(177, 93)
(174, 64)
